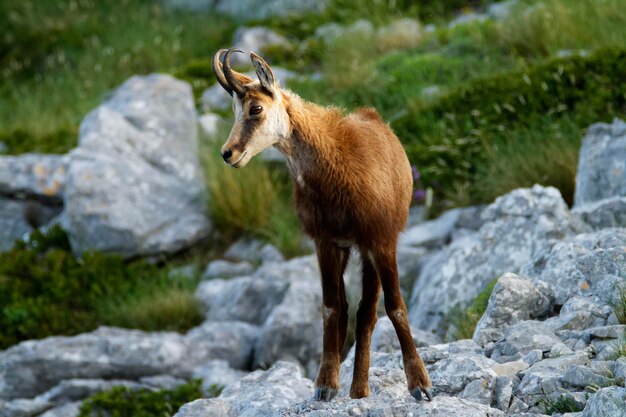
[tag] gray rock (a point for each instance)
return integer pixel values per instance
(17, 218)
(534, 356)
(142, 144)
(249, 299)
(217, 373)
(502, 9)
(514, 299)
(410, 260)
(545, 378)
(232, 341)
(161, 382)
(385, 339)
(210, 124)
(23, 408)
(579, 313)
(253, 251)
(216, 98)
(525, 336)
(433, 233)
(453, 374)
(580, 265)
(610, 212)
(255, 39)
(434, 353)
(467, 18)
(204, 408)
(503, 392)
(602, 163)
(617, 331)
(293, 330)
(607, 402)
(72, 390)
(330, 32)
(263, 393)
(582, 377)
(404, 406)
(66, 410)
(262, 9)
(517, 226)
(34, 175)
(33, 367)
(226, 269)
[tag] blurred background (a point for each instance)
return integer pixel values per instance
(485, 96)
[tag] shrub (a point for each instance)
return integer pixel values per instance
(45, 291)
(124, 402)
(452, 137)
(254, 200)
(463, 321)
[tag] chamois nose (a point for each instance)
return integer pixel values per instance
(227, 154)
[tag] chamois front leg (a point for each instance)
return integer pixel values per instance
(416, 374)
(332, 261)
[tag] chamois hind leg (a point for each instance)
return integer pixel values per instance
(332, 260)
(416, 374)
(366, 318)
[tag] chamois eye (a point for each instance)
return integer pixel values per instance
(255, 110)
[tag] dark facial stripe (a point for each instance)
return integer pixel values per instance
(247, 131)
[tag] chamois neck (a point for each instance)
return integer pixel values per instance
(311, 143)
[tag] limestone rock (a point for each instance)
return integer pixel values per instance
(135, 185)
(602, 164)
(249, 299)
(37, 176)
(232, 341)
(225, 269)
(516, 227)
(514, 299)
(607, 402)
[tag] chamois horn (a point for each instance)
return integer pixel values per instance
(229, 74)
(217, 70)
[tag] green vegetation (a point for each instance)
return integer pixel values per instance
(45, 291)
(254, 200)
(60, 59)
(463, 321)
(619, 305)
(124, 402)
(561, 405)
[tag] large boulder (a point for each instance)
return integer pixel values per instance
(293, 329)
(32, 367)
(607, 402)
(514, 299)
(516, 226)
(587, 264)
(260, 394)
(135, 185)
(602, 163)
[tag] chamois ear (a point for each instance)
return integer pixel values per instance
(264, 72)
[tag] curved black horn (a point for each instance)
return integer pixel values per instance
(219, 74)
(236, 86)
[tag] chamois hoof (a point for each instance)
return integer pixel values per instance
(325, 393)
(417, 393)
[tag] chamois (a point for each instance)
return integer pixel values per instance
(353, 187)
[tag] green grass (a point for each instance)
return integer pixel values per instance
(463, 321)
(60, 59)
(124, 402)
(254, 200)
(45, 291)
(561, 405)
(619, 305)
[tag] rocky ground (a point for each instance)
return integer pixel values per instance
(553, 332)
(550, 335)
